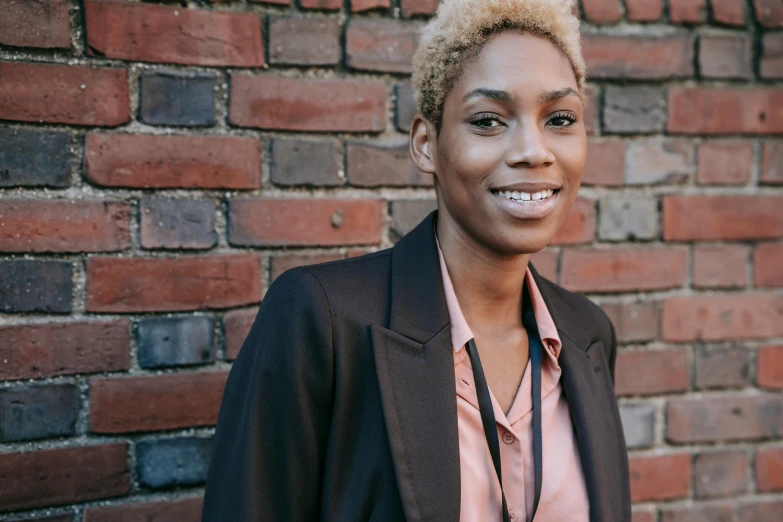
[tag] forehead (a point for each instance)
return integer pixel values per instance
(518, 63)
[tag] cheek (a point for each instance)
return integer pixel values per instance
(468, 159)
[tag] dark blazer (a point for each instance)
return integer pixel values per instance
(342, 404)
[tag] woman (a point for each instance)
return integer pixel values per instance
(360, 394)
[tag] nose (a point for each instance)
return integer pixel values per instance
(528, 147)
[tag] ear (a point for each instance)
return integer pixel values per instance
(422, 144)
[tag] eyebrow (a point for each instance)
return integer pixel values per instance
(492, 94)
(559, 94)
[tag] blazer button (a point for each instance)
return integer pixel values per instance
(512, 514)
(508, 438)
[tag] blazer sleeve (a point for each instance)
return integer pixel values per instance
(271, 436)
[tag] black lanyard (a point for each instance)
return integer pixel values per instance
(485, 402)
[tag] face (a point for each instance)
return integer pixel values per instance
(509, 155)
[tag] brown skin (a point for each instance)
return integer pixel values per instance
(534, 133)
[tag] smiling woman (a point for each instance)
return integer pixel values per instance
(360, 394)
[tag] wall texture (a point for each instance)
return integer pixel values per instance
(162, 163)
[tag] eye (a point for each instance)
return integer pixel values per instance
(562, 119)
(486, 121)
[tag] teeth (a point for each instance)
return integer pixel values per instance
(527, 196)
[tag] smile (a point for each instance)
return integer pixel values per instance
(520, 196)
(527, 205)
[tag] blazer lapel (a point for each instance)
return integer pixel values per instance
(415, 367)
(587, 386)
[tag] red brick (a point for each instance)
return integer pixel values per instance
(35, 24)
(722, 266)
(275, 2)
(660, 478)
(651, 372)
(173, 34)
(63, 94)
(326, 222)
(545, 262)
(602, 11)
(418, 7)
(699, 513)
(728, 12)
(771, 65)
(579, 225)
(644, 10)
(769, 469)
(638, 57)
(699, 110)
(772, 163)
(178, 510)
(271, 102)
(769, 364)
(724, 162)
(768, 263)
(64, 225)
(769, 13)
(642, 516)
(380, 44)
(724, 419)
(329, 5)
(304, 41)
(605, 163)
(358, 6)
(634, 321)
(282, 263)
(375, 164)
(147, 161)
(593, 102)
(63, 476)
(719, 474)
(163, 285)
(688, 11)
(624, 269)
(155, 402)
(760, 511)
(236, 325)
(46, 350)
(689, 218)
(726, 56)
(722, 317)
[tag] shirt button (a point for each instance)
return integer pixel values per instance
(512, 514)
(508, 438)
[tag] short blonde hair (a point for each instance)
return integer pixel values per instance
(462, 27)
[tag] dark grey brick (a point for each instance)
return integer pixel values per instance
(634, 109)
(178, 223)
(170, 98)
(406, 214)
(722, 367)
(638, 424)
(175, 342)
(35, 286)
(181, 461)
(377, 164)
(406, 107)
(32, 158)
(304, 41)
(301, 162)
(36, 412)
(628, 218)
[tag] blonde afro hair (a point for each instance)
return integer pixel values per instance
(462, 27)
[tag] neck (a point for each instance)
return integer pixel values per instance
(488, 284)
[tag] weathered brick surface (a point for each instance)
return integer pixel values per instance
(31, 157)
(37, 412)
(45, 350)
(52, 477)
(35, 286)
(73, 94)
(162, 162)
(147, 161)
(171, 98)
(175, 342)
(177, 223)
(35, 24)
(181, 461)
(155, 402)
(170, 34)
(64, 226)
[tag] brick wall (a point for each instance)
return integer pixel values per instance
(161, 164)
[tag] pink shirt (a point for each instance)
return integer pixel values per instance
(563, 492)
